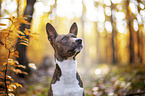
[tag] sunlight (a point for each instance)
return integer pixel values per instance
(119, 16)
(92, 14)
(4, 21)
(51, 2)
(98, 71)
(78, 8)
(95, 88)
(119, 7)
(106, 62)
(133, 8)
(121, 23)
(121, 27)
(107, 2)
(91, 10)
(87, 27)
(100, 26)
(101, 15)
(69, 8)
(32, 65)
(51, 16)
(116, 1)
(139, 18)
(108, 26)
(142, 12)
(111, 94)
(135, 25)
(102, 69)
(9, 5)
(108, 11)
(96, 0)
(40, 8)
(141, 5)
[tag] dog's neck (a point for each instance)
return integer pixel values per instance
(68, 69)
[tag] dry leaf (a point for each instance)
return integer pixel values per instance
(1, 24)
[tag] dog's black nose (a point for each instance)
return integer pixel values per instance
(79, 41)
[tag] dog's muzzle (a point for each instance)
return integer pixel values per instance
(78, 41)
(77, 47)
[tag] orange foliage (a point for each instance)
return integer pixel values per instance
(8, 38)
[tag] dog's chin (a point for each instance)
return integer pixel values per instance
(78, 48)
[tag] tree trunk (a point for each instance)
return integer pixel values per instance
(22, 48)
(113, 35)
(139, 37)
(131, 32)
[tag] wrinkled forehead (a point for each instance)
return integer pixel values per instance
(69, 35)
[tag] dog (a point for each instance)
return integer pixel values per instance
(66, 80)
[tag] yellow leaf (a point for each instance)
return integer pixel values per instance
(2, 73)
(25, 16)
(16, 24)
(13, 86)
(4, 63)
(3, 69)
(18, 36)
(35, 33)
(21, 37)
(11, 62)
(20, 32)
(24, 44)
(34, 37)
(16, 54)
(8, 82)
(17, 71)
(18, 85)
(10, 88)
(13, 69)
(1, 78)
(10, 78)
(24, 73)
(12, 18)
(21, 66)
(11, 94)
(16, 62)
(27, 31)
(22, 20)
(1, 24)
(26, 39)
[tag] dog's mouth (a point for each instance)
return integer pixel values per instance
(75, 49)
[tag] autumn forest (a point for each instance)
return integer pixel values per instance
(111, 62)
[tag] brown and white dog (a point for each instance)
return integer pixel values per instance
(66, 80)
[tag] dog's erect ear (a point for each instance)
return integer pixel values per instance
(52, 34)
(74, 29)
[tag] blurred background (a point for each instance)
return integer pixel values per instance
(113, 34)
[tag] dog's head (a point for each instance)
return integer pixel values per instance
(67, 45)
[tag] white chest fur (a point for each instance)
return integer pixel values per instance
(68, 84)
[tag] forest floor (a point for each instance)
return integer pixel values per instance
(128, 80)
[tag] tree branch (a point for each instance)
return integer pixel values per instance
(5, 76)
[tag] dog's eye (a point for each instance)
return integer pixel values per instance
(73, 36)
